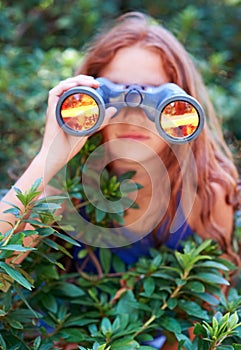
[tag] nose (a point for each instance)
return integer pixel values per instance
(132, 115)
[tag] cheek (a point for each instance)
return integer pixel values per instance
(109, 132)
(157, 144)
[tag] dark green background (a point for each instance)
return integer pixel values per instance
(41, 43)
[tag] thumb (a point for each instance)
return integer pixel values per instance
(109, 113)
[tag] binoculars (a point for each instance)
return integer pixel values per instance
(178, 117)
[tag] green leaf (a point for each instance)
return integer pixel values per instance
(193, 309)
(51, 199)
(13, 211)
(126, 176)
(34, 223)
(15, 324)
(204, 245)
(208, 298)
(22, 296)
(211, 278)
(36, 184)
(172, 303)
(199, 330)
(156, 262)
(170, 324)
(17, 276)
(50, 243)
(149, 286)
(45, 231)
(66, 238)
(82, 253)
(118, 264)
(117, 218)
(213, 264)
(126, 343)
(62, 313)
(11, 204)
(116, 324)
(73, 335)
(39, 207)
(233, 320)
(195, 286)
(185, 341)
(49, 302)
(70, 290)
(2, 313)
(99, 215)
(16, 247)
(105, 259)
(37, 343)
(93, 330)
(180, 258)
(102, 347)
(127, 187)
(106, 327)
(2, 343)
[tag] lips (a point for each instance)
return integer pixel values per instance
(137, 137)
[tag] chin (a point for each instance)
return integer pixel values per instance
(131, 150)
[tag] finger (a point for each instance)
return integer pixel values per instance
(69, 83)
(109, 113)
(81, 80)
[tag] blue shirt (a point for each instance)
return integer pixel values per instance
(131, 253)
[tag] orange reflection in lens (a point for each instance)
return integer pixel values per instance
(80, 112)
(179, 119)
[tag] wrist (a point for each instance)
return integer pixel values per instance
(45, 167)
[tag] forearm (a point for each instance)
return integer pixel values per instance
(57, 149)
(37, 169)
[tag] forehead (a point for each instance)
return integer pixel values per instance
(136, 65)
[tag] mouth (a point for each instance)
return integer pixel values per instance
(137, 137)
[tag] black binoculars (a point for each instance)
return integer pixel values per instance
(178, 117)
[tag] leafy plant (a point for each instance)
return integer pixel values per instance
(220, 329)
(122, 309)
(45, 304)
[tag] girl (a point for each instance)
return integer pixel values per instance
(185, 188)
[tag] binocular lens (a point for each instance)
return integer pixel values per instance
(179, 120)
(80, 112)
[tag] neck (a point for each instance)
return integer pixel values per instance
(145, 173)
(151, 198)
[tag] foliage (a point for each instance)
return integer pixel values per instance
(44, 305)
(41, 44)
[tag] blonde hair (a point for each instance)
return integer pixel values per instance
(213, 158)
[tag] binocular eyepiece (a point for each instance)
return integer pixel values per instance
(178, 117)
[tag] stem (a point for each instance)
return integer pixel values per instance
(145, 325)
(176, 290)
(82, 204)
(95, 262)
(16, 225)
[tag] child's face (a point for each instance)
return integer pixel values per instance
(142, 66)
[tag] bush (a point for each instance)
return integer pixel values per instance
(44, 305)
(119, 308)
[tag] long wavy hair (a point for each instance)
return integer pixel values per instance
(213, 159)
